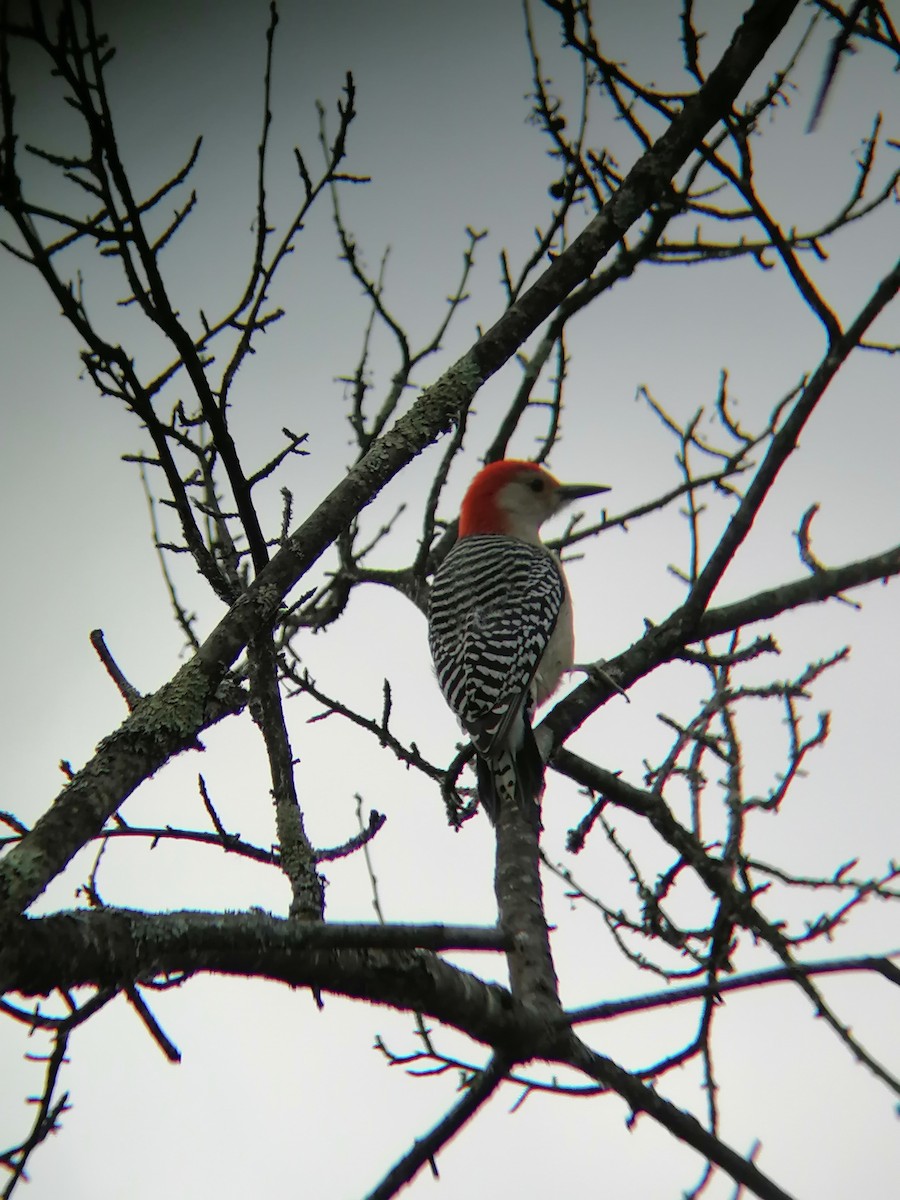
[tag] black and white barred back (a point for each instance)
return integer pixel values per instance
(494, 604)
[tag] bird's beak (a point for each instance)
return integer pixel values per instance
(577, 491)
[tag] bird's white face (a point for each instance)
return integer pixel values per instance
(529, 499)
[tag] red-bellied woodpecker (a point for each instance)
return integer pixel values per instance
(500, 625)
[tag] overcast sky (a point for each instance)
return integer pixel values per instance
(273, 1097)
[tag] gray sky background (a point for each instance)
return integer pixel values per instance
(273, 1097)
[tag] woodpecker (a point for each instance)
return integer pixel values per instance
(500, 625)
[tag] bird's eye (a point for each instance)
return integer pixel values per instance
(537, 485)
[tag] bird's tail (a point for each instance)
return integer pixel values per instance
(513, 777)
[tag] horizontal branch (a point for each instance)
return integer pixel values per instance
(114, 947)
(393, 965)
(702, 991)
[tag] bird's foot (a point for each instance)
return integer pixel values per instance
(595, 670)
